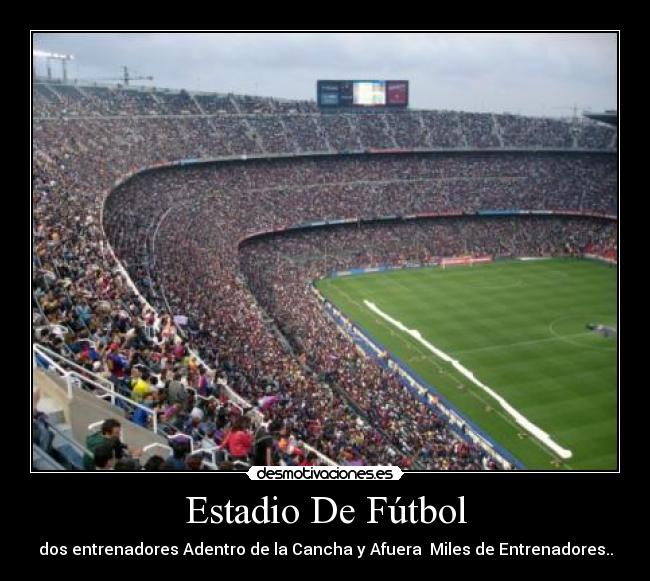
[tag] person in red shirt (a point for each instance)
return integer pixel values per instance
(238, 441)
(180, 350)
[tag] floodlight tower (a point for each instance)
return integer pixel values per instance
(50, 56)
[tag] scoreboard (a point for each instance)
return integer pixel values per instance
(362, 93)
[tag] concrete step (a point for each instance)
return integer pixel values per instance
(73, 455)
(52, 409)
(43, 461)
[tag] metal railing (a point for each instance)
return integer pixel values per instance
(210, 450)
(75, 379)
(64, 362)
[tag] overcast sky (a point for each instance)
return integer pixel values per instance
(534, 74)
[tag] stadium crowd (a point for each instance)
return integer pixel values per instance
(177, 233)
(274, 126)
(178, 259)
(280, 268)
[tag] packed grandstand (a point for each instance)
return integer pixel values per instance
(176, 236)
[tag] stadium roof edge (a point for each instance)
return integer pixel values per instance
(610, 117)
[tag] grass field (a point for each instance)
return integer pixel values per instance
(520, 328)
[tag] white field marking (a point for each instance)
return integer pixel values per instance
(476, 394)
(520, 343)
(525, 423)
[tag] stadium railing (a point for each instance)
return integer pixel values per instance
(75, 379)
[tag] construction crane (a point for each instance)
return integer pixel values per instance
(128, 78)
(125, 78)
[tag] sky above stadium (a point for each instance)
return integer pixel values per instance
(527, 73)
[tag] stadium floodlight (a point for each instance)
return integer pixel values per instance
(52, 55)
(49, 56)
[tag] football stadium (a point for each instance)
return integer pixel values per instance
(224, 280)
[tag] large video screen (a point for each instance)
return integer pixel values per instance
(370, 93)
(360, 94)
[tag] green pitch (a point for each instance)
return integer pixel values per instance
(520, 327)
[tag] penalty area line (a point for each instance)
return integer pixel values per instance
(519, 418)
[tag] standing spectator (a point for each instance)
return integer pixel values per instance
(265, 450)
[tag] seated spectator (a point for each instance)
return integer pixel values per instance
(140, 416)
(41, 433)
(238, 440)
(105, 455)
(108, 433)
(180, 449)
(127, 465)
(140, 386)
(194, 463)
(154, 464)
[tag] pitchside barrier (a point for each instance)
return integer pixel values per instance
(460, 260)
(601, 258)
(465, 260)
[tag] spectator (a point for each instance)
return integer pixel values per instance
(238, 441)
(265, 452)
(180, 449)
(154, 464)
(105, 454)
(108, 433)
(194, 463)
